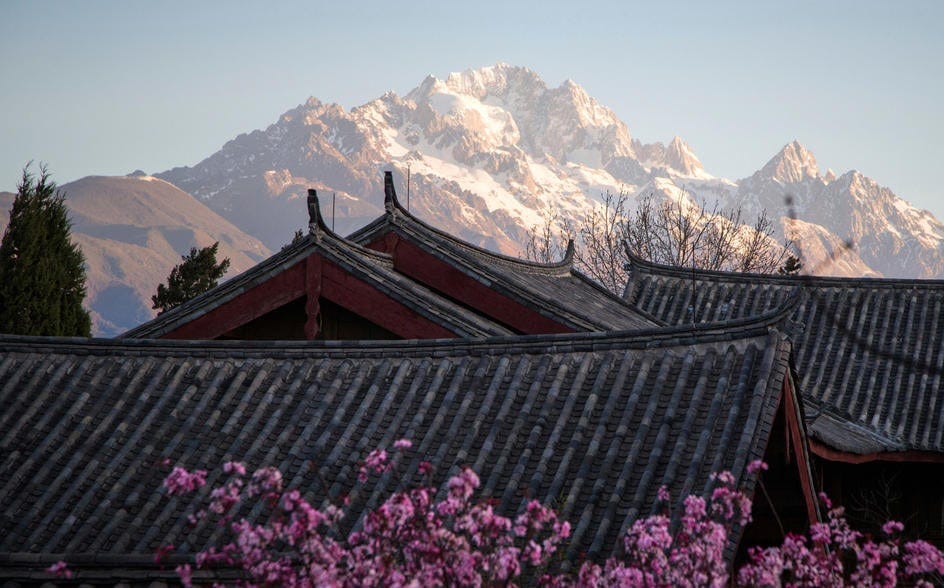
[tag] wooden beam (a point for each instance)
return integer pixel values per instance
(449, 280)
(828, 453)
(313, 294)
(247, 306)
(343, 289)
(799, 441)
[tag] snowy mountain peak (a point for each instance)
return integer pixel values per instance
(680, 157)
(793, 164)
(499, 80)
(489, 150)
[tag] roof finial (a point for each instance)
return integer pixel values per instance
(315, 222)
(569, 254)
(390, 193)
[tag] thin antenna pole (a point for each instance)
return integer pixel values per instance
(408, 187)
(333, 198)
(693, 284)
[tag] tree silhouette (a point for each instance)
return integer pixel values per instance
(198, 273)
(42, 273)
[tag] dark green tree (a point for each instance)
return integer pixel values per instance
(198, 273)
(791, 267)
(42, 273)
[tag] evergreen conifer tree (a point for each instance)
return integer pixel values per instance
(198, 273)
(791, 267)
(42, 273)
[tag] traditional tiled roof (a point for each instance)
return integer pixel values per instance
(591, 423)
(557, 290)
(372, 267)
(869, 352)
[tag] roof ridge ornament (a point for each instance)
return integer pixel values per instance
(391, 203)
(569, 254)
(316, 225)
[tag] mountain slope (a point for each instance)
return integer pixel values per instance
(132, 231)
(889, 236)
(489, 151)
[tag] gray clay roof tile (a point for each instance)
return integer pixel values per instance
(869, 352)
(592, 423)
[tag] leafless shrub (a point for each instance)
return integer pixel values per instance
(671, 232)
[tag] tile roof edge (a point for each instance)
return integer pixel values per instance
(395, 211)
(320, 238)
(577, 274)
(754, 327)
(653, 268)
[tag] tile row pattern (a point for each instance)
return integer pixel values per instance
(592, 424)
(869, 352)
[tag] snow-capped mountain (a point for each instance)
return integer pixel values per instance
(889, 236)
(489, 151)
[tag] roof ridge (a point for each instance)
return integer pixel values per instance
(321, 240)
(806, 279)
(395, 211)
(671, 336)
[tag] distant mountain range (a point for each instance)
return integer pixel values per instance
(489, 149)
(485, 153)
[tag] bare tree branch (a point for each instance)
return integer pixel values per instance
(671, 232)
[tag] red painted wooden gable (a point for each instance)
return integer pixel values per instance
(313, 278)
(450, 281)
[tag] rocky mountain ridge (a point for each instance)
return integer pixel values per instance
(488, 151)
(889, 236)
(485, 154)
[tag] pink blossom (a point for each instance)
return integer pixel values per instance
(403, 444)
(415, 539)
(234, 467)
(60, 569)
(463, 484)
(923, 558)
(162, 552)
(758, 465)
(265, 481)
(663, 494)
(892, 528)
(376, 462)
(185, 573)
(180, 481)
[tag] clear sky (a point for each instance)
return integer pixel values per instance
(106, 87)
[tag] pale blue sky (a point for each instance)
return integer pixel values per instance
(105, 87)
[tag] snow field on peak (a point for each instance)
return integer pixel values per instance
(524, 149)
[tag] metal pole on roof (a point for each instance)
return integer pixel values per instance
(408, 187)
(333, 198)
(693, 284)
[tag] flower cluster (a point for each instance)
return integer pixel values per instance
(181, 481)
(411, 539)
(415, 539)
(693, 556)
(60, 570)
(834, 554)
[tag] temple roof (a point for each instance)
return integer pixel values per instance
(869, 352)
(367, 265)
(557, 290)
(591, 423)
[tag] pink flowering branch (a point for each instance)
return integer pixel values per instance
(60, 570)
(834, 554)
(410, 538)
(413, 538)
